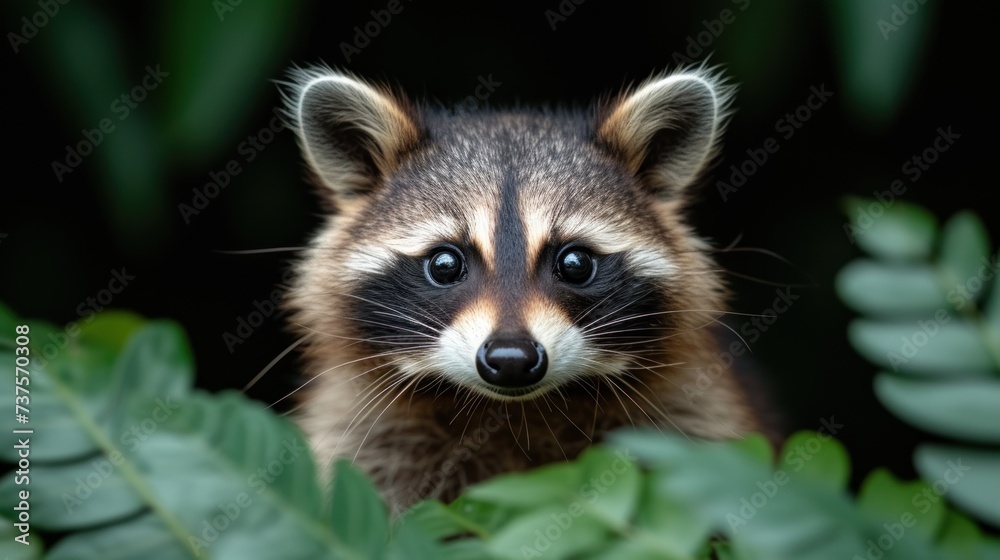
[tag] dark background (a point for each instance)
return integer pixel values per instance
(119, 207)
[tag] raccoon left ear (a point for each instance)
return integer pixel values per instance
(352, 133)
(667, 129)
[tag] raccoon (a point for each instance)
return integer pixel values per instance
(496, 290)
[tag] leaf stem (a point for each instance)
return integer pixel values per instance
(127, 469)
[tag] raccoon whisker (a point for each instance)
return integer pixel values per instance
(546, 422)
(662, 412)
(524, 426)
(732, 249)
(656, 408)
(380, 304)
(566, 416)
(633, 317)
(475, 404)
(385, 408)
(597, 326)
(376, 384)
(260, 251)
(756, 279)
(614, 391)
(400, 315)
(318, 375)
(631, 355)
(468, 402)
(384, 387)
(374, 340)
(738, 335)
(719, 422)
(597, 407)
(588, 310)
(271, 364)
(468, 421)
(378, 324)
(702, 407)
(599, 334)
(621, 308)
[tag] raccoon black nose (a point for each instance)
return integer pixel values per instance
(511, 362)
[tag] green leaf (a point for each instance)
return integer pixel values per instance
(939, 345)
(358, 516)
(959, 537)
(894, 232)
(13, 550)
(755, 446)
(630, 547)
(886, 499)
(411, 541)
(76, 495)
(669, 523)
(767, 514)
(818, 456)
(961, 408)
(878, 289)
(465, 549)
(59, 433)
(110, 329)
(964, 245)
(550, 483)
(992, 309)
(723, 551)
(155, 362)
(878, 55)
(86, 379)
(611, 490)
(433, 518)
(143, 537)
(237, 477)
(482, 518)
(555, 532)
(967, 476)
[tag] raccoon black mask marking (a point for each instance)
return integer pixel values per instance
(514, 283)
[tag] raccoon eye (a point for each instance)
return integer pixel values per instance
(575, 265)
(445, 267)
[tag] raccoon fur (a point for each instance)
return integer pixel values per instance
(496, 290)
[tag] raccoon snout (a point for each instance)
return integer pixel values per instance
(511, 362)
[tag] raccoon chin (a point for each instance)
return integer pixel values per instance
(503, 394)
(519, 394)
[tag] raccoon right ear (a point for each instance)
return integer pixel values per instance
(666, 130)
(353, 134)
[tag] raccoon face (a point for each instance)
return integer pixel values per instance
(506, 253)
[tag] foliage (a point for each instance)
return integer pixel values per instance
(132, 462)
(931, 313)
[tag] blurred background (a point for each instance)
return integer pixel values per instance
(143, 138)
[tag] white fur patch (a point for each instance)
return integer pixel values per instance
(455, 355)
(421, 237)
(643, 255)
(481, 228)
(569, 355)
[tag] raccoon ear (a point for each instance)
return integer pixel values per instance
(352, 133)
(666, 130)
